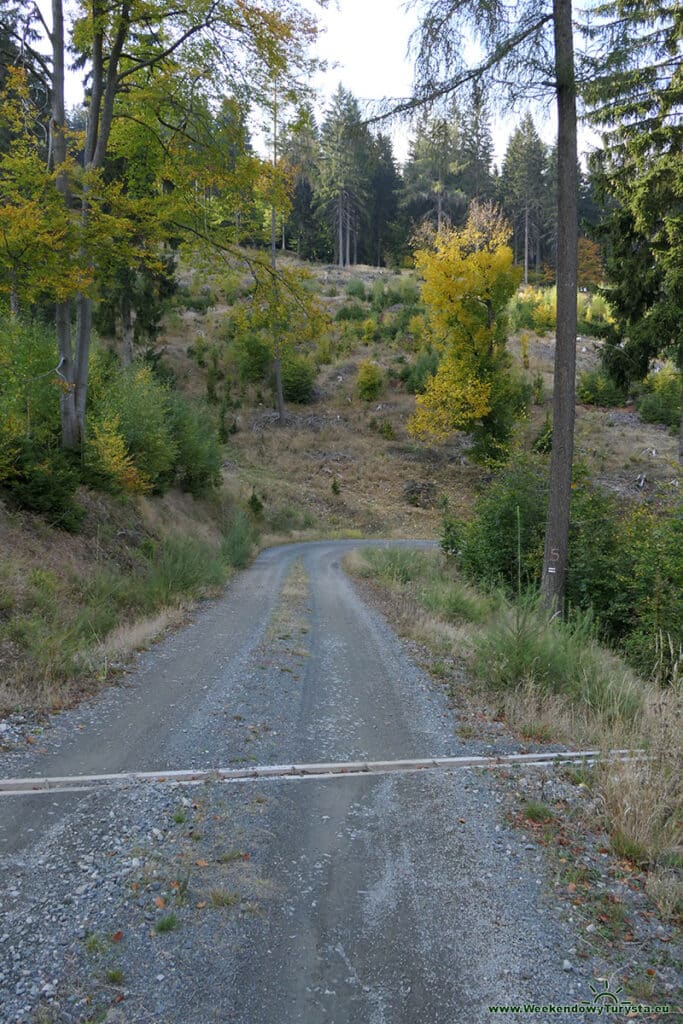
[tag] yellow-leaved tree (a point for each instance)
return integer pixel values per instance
(39, 241)
(468, 279)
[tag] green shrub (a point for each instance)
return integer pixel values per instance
(370, 331)
(323, 352)
(370, 381)
(45, 482)
(142, 406)
(355, 289)
(661, 401)
(183, 565)
(298, 378)
(509, 521)
(594, 555)
(198, 302)
(29, 392)
(596, 387)
(504, 541)
(543, 442)
(198, 459)
(556, 657)
(378, 297)
(625, 569)
(544, 313)
(509, 399)
(520, 311)
(597, 309)
(593, 328)
(238, 540)
(254, 358)
(398, 565)
(285, 519)
(648, 609)
(402, 291)
(455, 601)
(255, 504)
(351, 311)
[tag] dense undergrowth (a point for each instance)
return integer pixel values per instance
(535, 309)
(625, 561)
(142, 436)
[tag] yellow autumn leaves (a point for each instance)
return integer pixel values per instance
(468, 279)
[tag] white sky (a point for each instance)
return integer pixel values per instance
(365, 44)
(368, 40)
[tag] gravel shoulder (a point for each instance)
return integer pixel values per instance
(398, 898)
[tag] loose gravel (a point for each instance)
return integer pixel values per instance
(418, 898)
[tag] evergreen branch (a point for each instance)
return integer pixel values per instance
(430, 96)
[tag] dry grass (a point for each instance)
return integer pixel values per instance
(641, 800)
(177, 512)
(289, 617)
(545, 718)
(665, 887)
(615, 444)
(74, 606)
(130, 637)
(296, 467)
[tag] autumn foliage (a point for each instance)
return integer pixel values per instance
(468, 280)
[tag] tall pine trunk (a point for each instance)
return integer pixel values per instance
(347, 255)
(340, 230)
(71, 435)
(526, 245)
(554, 578)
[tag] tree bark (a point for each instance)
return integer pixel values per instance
(553, 582)
(82, 360)
(127, 330)
(680, 430)
(526, 245)
(347, 256)
(71, 437)
(277, 362)
(340, 238)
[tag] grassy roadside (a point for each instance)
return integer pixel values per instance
(73, 607)
(550, 683)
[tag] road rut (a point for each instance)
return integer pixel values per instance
(390, 900)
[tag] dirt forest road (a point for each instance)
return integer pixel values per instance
(391, 899)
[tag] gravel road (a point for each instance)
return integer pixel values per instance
(396, 899)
